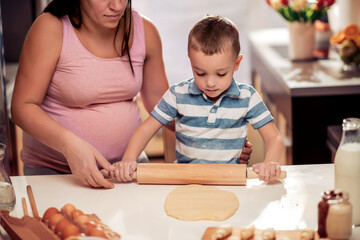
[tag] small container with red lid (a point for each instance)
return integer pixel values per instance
(335, 215)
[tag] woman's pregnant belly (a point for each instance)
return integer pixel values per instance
(108, 127)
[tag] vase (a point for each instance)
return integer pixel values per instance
(301, 41)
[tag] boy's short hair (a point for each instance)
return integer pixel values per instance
(213, 34)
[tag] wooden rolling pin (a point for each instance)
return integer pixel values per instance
(213, 174)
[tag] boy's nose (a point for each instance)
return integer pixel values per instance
(210, 82)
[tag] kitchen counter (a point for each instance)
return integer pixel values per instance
(302, 78)
(137, 211)
(310, 95)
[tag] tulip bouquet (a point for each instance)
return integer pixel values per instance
(301, 10)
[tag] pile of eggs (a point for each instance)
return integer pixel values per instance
(69, 222)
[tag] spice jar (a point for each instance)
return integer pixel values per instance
(335, 215)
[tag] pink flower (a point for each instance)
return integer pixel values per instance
(285, 2)
(276, 4)
(308, 10)
(299, 5)
(329, 2)
(319, 4)
(324, 3)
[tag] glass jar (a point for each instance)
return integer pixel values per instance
(7, 194)
(335, 215)
(347, 164)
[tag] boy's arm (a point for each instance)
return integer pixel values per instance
(140, 138)
(270, 168)
(136, 145)
(273, 142)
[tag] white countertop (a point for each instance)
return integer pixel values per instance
(302, 78)
(137, 211)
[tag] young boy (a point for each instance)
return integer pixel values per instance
(211, 110)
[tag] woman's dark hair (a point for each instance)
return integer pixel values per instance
(60, 8)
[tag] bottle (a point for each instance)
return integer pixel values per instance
(7, 194)
(335, 215)
(347, 164)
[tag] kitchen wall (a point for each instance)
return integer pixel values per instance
(174, 20)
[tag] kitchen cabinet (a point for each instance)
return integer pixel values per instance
(304, 97)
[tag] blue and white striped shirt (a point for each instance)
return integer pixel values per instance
(208, 132)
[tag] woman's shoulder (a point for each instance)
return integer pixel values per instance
(48, 22)
(45, 33)
(47, 27)
(152, 37)
(148, 22)
(149, 26)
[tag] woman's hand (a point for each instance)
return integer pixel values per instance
(268, 171)
(124, 170)
(246, 153)
(82, 158)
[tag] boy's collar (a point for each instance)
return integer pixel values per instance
(232, 90)
(193, 88)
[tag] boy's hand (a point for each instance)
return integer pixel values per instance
(268, 171)
(124, 170)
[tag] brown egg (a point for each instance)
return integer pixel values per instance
(61, 225)
(57, 217)
(70, 230)
(67, 209)
(97, 232)
(93, 230)
(81, 220)
(48, 214)
(76, 213)
(88, 226)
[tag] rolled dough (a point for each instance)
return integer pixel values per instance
(197, 202)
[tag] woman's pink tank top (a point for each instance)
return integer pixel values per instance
(92, 97)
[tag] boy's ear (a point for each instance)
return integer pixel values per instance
(238, 61)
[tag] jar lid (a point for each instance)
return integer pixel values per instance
(351, 123)
(335, 196)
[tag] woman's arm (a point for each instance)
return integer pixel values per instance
(155, 82)
(38, 60)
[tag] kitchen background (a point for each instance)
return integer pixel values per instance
(173, 19)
